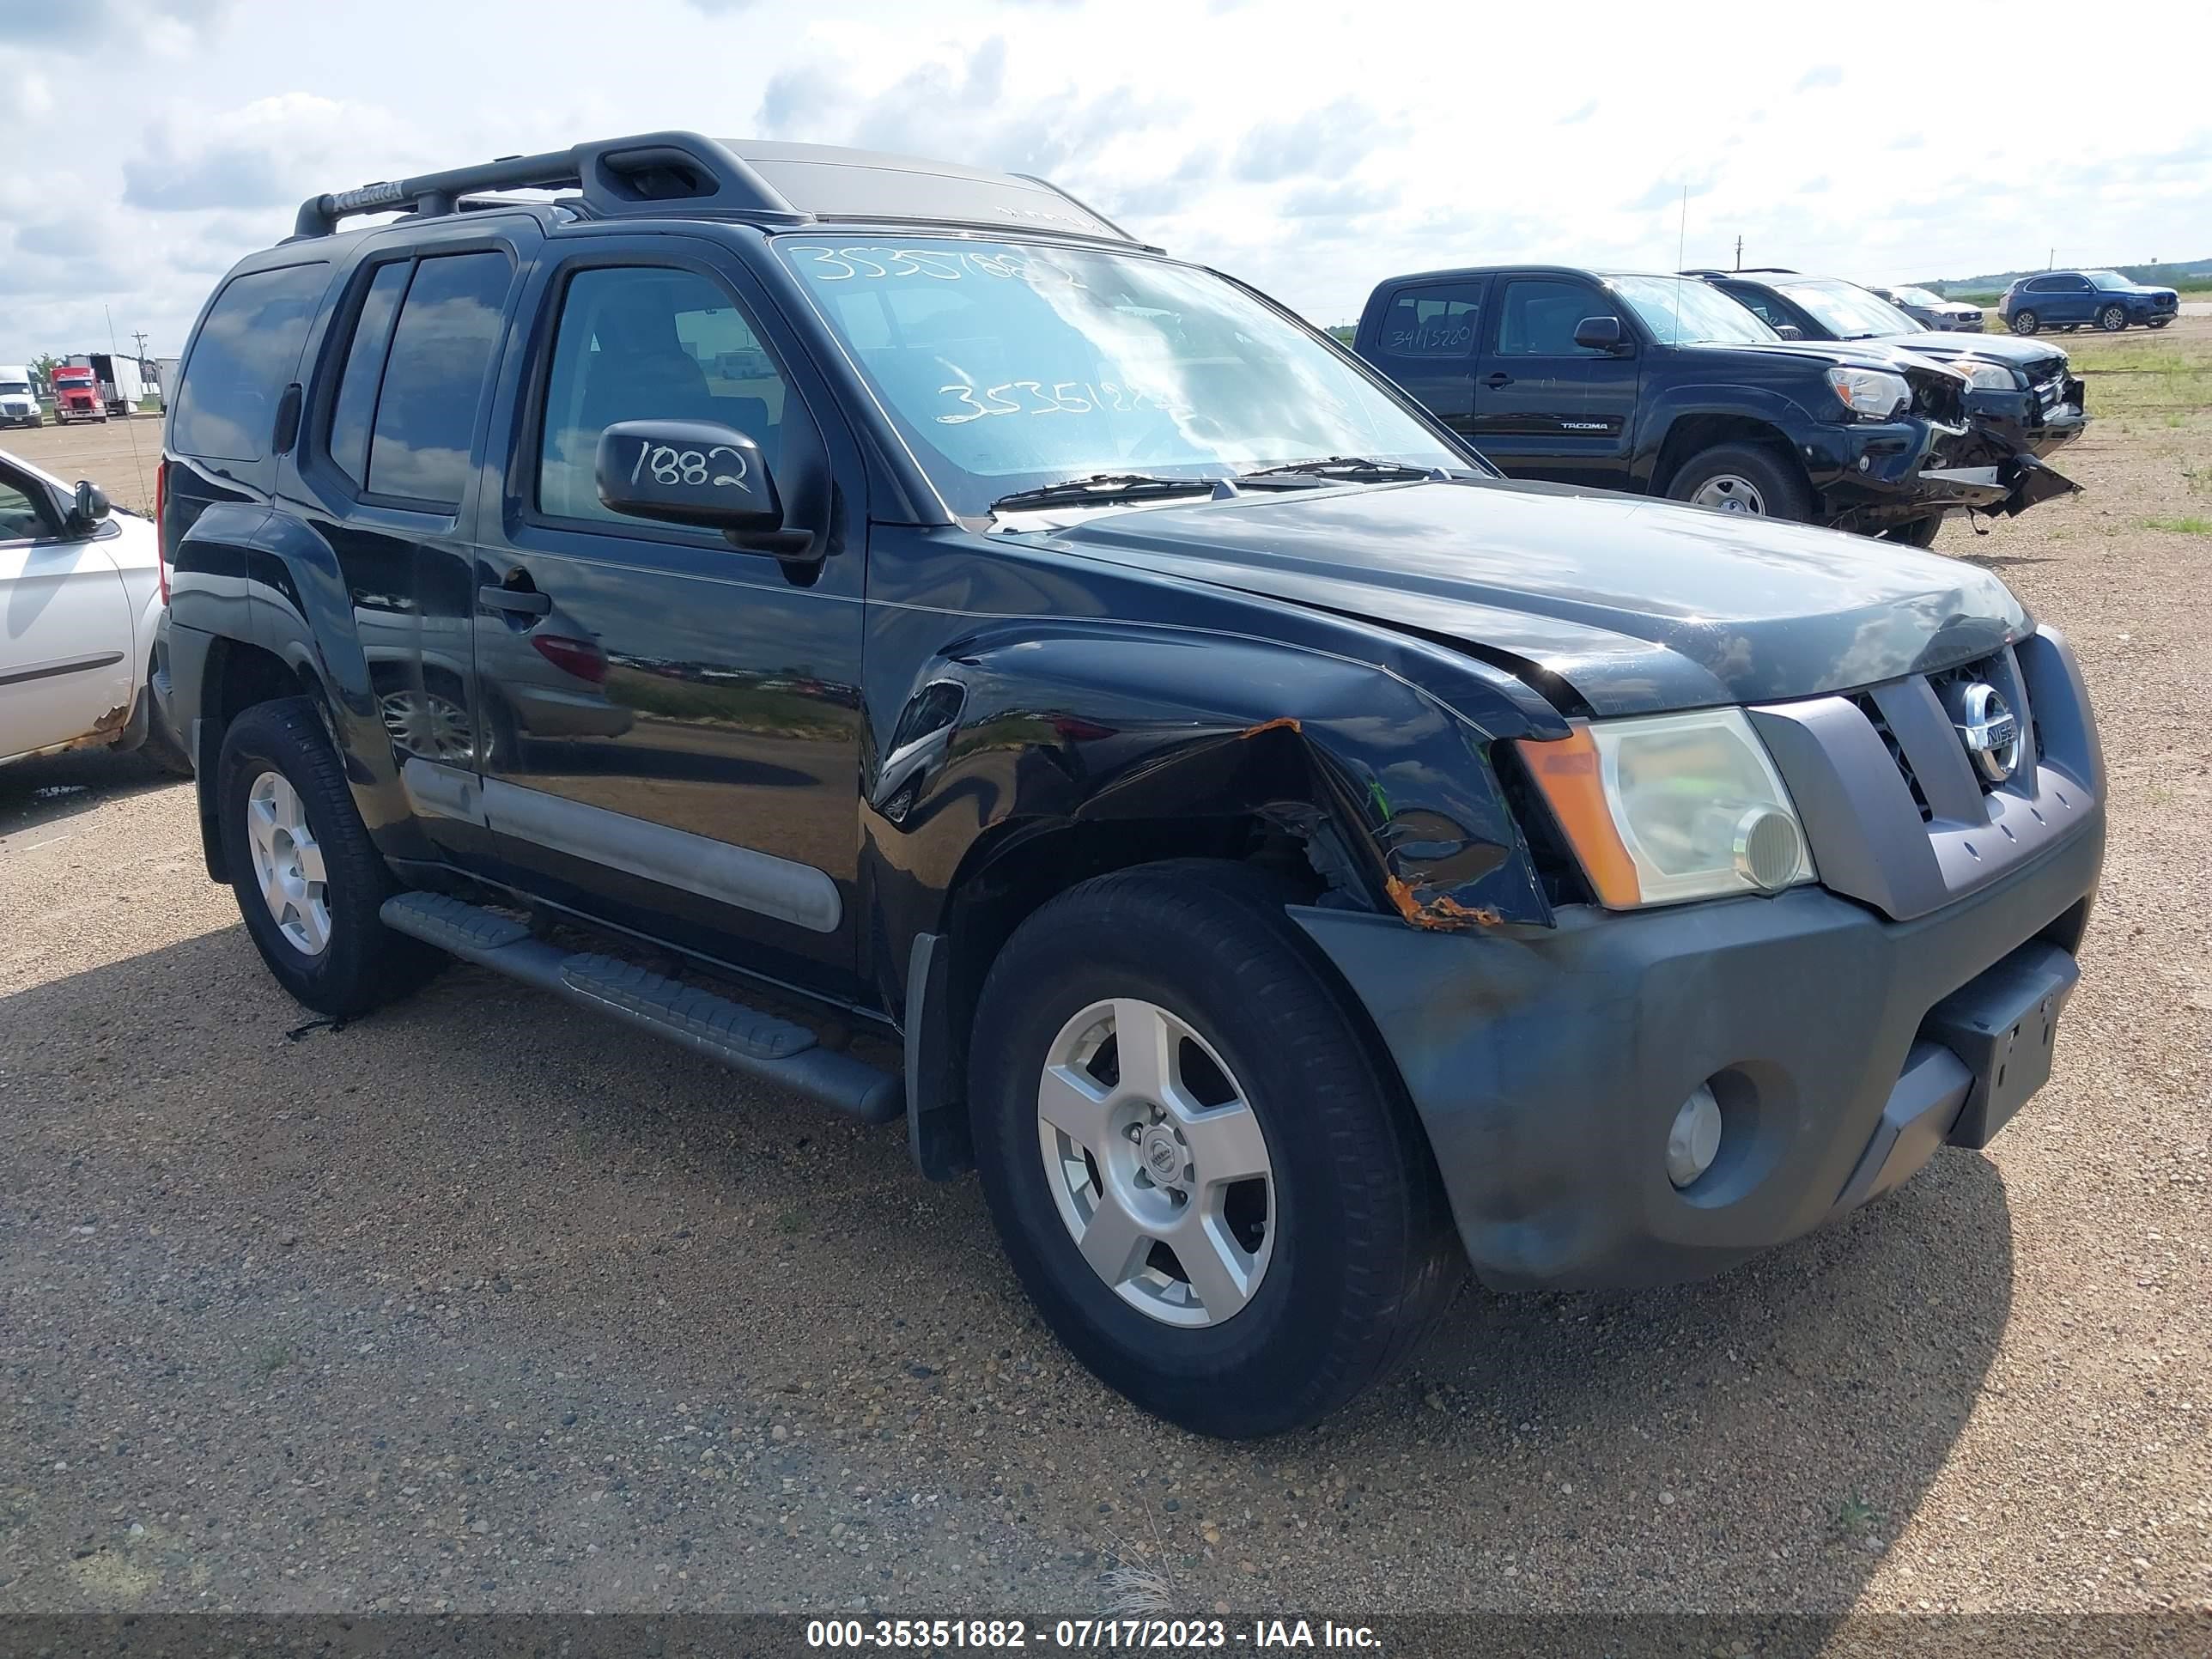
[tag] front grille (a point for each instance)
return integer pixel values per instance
(1865, 703)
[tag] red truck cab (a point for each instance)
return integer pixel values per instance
(76, 394)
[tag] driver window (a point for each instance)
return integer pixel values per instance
(22, 517)
(640, 343)
(1538, 316)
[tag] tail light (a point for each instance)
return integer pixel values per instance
(581, 658)
(162, 523)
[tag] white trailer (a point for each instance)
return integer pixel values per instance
(167, 367)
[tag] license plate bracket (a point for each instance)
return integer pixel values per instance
(2003, 1024)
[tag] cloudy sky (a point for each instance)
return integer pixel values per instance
(1307, 146)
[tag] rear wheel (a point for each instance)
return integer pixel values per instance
(2112, 319)
(309, 881)
(1744, 478)
(1209, 1184)
(2025, 322)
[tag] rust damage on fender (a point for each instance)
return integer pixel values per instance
(1444, 913)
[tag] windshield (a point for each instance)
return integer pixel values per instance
(1008, 367)
(1688, 311)
(1848, 311)
(1918, 297)
(13, 387)
(2109, 280)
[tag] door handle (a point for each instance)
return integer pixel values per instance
(1497, 378)
(515, 601)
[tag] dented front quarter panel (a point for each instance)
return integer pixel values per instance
(1101, 698)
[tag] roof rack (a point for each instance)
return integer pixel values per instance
(778, 185)
(1743, 271)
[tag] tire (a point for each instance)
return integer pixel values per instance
(1917, 532)
(2024, 322)
(1767, 485)
(361, 962)
(1351, 1255)
(2111, 319)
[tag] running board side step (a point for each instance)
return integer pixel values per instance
(744, 1039)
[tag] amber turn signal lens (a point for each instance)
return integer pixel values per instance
(1567, 771)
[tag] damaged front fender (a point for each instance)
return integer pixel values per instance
(1391, 792)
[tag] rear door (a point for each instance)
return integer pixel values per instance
(675, 722)
(1426, 343)
(1545, 407)
(65, 647)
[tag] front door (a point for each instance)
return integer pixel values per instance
(1545, 407)
(674, 723)
(65, 650)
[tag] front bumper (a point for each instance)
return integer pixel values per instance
(1547, 1065)
(2008, 423)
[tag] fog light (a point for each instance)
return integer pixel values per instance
(1695, 1140)
(1769, 850)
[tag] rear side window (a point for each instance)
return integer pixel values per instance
(1433, 322)
(356, 408)
(433, 376)
(242, 360)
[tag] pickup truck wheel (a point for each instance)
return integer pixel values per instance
(2025, 322)
(2111, 319)
(1208, 1183)
(1916, 532)
(1744, 478)
(309, 881)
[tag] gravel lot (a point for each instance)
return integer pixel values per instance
(477, 1305)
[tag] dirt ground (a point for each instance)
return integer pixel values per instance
(477, 1304)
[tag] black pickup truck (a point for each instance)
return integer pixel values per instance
(1663, 386)
(1288, 861)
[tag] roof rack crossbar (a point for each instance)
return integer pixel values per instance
(617, 175)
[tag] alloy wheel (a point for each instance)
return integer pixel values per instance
(288, 863)
(2111, 319)
(427, 724)
(1156, 1163)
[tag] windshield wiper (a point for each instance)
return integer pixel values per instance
(1104, 487)
(1358, 468)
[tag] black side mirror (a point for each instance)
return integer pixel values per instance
(91, 505)
(1790, 331)
(1598, 334)
(696, 472)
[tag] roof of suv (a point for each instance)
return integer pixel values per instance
(777, 186)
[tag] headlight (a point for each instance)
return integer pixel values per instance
(1988, 377)
(1672, 807)
(1872, 394)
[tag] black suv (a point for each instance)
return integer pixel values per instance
(2023, 397)
(1286, 859)
(1658, 384)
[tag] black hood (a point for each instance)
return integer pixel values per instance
(1642, 606)
(2033, 356)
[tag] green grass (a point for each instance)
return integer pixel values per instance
(2189, 526)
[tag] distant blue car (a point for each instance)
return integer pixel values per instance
(2068, 299)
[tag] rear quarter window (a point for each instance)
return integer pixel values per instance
(242, 361)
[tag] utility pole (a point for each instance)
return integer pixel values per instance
(138, 335)
(1739, 253)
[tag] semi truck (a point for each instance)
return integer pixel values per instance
(76, 394)
(121, 386)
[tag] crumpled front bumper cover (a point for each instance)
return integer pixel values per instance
(1546, 1066)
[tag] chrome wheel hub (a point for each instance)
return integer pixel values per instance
(1155, 1162)
(288, 863)
(423, 723)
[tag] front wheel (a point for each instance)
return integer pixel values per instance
(2025, 322)
(1748, 479)
(309, 881)
(2111, 319)
(1208, 1181)
(1915, 532)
